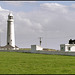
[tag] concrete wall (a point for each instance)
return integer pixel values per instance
(42, 52)
(26, 51)
(55, 53)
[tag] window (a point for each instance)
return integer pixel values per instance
(61, 48)
(10, 17)
(69, 48)
(8, 43)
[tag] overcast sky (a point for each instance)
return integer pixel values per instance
(54, 21)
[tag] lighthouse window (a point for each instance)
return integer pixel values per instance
(10, 17)
(8, 43)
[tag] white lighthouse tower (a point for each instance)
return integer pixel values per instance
(10, 35)
(10, 31)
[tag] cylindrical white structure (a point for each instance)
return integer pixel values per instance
(10, 31)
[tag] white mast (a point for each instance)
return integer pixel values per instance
(10, 31)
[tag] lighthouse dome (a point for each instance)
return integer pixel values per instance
(10, 14)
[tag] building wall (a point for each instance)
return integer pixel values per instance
(70, 47)
(33, 48)
(39, 48)
(62, 47)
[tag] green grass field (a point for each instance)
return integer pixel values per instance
(29, 63)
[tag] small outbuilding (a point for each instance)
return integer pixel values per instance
(70, 47)
(36, 48)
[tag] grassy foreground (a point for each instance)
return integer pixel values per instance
(27, 63)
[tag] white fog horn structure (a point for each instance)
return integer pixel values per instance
(10, 31)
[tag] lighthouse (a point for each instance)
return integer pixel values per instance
(10, 35)
(10, 31)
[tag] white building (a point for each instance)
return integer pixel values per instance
(36, 48)
(68, 47)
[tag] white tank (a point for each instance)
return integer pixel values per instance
(10, 31)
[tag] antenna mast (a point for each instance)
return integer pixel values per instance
(40, 40)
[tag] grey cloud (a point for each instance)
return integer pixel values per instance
(54, 7)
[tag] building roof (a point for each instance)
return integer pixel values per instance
(8, 46)
(16, 46)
